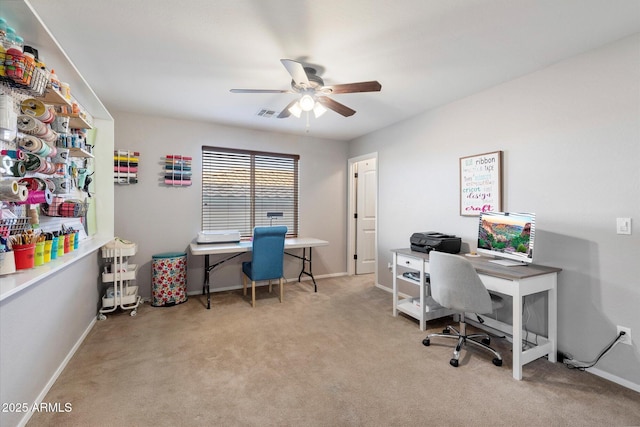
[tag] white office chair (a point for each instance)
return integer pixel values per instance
(456, 285)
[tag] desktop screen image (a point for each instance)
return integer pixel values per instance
(507, 235)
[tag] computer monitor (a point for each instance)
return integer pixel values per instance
(509, 236)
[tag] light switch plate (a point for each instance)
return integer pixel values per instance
(623, 225)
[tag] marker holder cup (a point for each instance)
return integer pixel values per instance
(54, 248)
(39, 255)
(60, 246)
(25, 256)
(47, 250)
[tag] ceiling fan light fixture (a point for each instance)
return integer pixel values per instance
(319, 110)
(296, 110)
(306, 103)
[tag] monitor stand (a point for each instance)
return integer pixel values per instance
(508, 263)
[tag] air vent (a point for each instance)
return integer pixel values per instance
(266, 113)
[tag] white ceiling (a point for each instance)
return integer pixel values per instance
(180, 58)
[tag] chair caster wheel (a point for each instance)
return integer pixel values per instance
(102, 317)
(453, 362)
(497, 362)
(486, 341)
(426, 342)
(446, 331)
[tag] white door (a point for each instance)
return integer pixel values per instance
(366, 216)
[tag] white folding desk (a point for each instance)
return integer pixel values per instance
(237, 249)
(516, 282)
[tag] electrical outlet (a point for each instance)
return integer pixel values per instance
(626, 338)
(623, 225)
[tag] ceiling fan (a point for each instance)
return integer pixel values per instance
(313, 93)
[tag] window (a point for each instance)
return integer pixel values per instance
(239, 187)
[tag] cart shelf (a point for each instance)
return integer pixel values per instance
(123, 294)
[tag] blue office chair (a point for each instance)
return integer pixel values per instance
(267, 259)
(456, 285)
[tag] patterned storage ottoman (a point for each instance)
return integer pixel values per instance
(168, 279)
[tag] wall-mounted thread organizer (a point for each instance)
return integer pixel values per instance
(125, 167)
(177, 170)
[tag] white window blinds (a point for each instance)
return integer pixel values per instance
(239, 187)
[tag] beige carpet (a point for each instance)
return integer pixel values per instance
(333, 358)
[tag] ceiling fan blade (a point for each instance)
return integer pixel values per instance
(372, 86)
(259, 91)
(336, 106)
(286, 113)
(297, 72)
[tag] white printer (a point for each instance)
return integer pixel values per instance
(218, 236)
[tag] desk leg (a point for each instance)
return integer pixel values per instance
(395, 284)
(306, 260)
(552, 298)
(517, 335)
(205, 287)
(208, 268)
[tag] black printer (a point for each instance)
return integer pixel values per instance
(428, 241)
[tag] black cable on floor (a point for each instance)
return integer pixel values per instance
(581, 366)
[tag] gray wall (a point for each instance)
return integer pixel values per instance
(571, 141)
(40, 326)
(166, 219)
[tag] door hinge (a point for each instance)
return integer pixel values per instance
(355, 175)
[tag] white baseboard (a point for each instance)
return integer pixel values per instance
(57, 373)
(614, 378)
(384, 288)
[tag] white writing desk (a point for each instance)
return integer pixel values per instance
(237, 249)
(516, 282)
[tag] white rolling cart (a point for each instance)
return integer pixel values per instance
(123, 293)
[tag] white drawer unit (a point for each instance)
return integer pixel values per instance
(409, 262)
(413, 269)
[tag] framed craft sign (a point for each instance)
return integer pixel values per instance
(481, 183)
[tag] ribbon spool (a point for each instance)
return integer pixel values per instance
(33, 184)
(33, 162)
(35, 145)
(33, 107)
(12, 191)
(19, 169)
(32, 126)
(14, 154)
(12, 167)
(31, 143)
(49, 184)
(46, 151)
(50, 168)
(37, 197)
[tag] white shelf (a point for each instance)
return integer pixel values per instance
(130, 297)
(432, 309)
(125, 251)
(408, 280)
(79, 152)
(130, 274)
